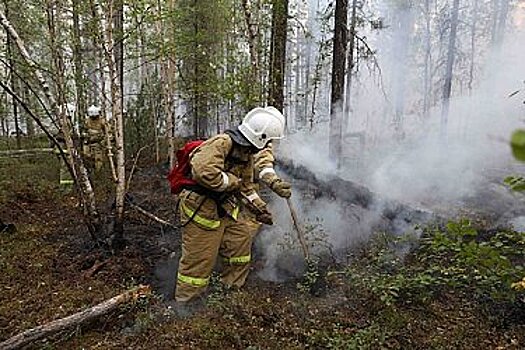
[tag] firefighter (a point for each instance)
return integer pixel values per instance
(66, 182)
(223, 212)
(94, 136)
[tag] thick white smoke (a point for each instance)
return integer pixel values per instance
(421, 168)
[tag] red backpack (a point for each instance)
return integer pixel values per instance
(179, 176)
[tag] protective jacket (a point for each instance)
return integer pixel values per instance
(95, 130)
(220, 169)
(94, 140)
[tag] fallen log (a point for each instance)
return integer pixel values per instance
(391, 212)
(31, 335)
(17, 152)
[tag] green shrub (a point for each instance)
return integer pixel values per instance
(456, 258)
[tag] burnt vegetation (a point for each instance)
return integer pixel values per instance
(455, 286)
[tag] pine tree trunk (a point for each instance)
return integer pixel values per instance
(338, 79)
(278, 53)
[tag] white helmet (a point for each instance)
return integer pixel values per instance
(93, 111)
(261, 125)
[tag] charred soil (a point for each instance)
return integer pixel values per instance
(51, 269)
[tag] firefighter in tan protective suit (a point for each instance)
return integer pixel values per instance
(223, 213)
(94, 136)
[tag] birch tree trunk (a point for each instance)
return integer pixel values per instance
(338, 79)
(351, 49)
(116, 111)
(74, 161)
(12, 78)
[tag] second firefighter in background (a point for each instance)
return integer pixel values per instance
(94, 137)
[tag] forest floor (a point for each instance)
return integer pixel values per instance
(46, 273)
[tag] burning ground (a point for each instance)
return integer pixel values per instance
(379, 289)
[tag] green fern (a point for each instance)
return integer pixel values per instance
(515, 183)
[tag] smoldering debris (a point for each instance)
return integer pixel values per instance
(336, 214)
(392, 216)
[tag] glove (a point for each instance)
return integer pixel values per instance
(234, 183)
(264, 217)
(281, 188)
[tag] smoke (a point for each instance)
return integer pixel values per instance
(419, 164)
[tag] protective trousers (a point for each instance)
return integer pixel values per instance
(230, 239)
(97, 153)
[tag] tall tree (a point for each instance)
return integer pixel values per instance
(113, 38)
(403, 26)
(451, 56)
(167, 78)
(350, 63)
(13, 80)
(117, 6)
(253, 40)
(427, 53)
(81, 105)
(199, 37)
(278, 53)
(338, 80)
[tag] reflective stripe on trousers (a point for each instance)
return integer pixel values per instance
(198, 282)
(238, 259)
(190, 213)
